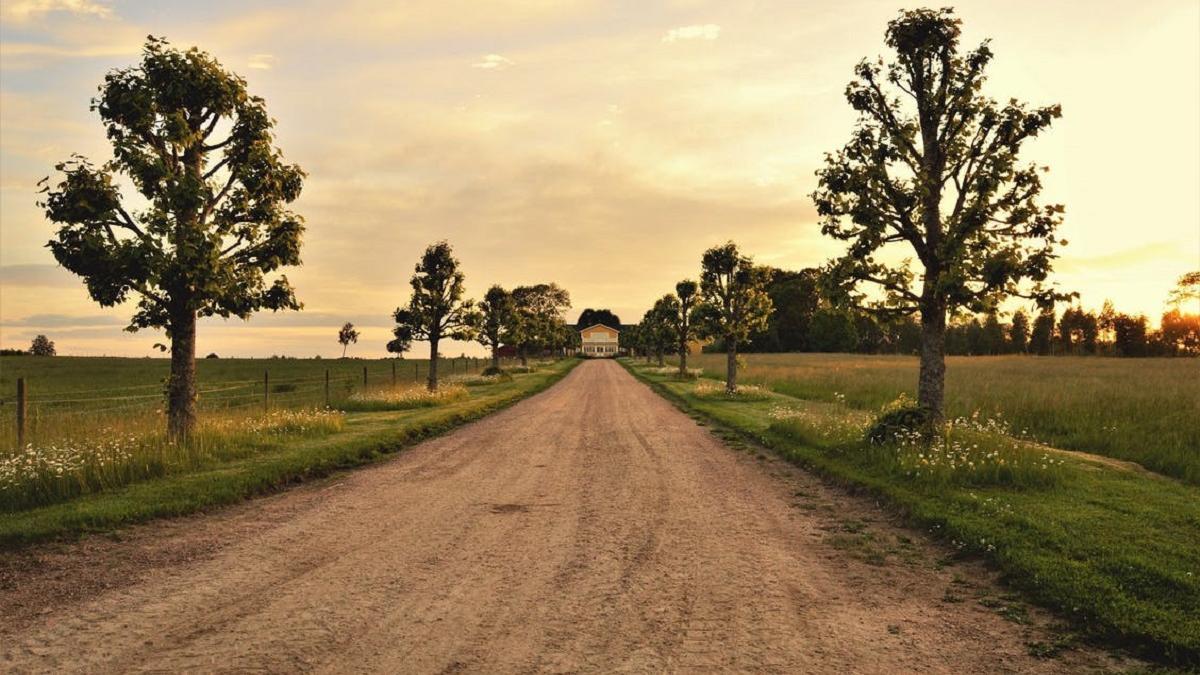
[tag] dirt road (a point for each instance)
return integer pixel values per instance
(590, 528)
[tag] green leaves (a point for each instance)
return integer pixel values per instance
(437, 309)
(733, 300)
(216, 221)
(934, 165)
(538, 317)
(659, 329)
(497, 318)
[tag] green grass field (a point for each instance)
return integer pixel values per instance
(69, 392)
(101, 475)
(1141, 410)
(1115, 550)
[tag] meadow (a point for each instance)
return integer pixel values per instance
(1114, 550)
(92, 462)
(61, 388)
(1140, 410)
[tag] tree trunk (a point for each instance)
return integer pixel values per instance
(683, 354)
(521, 353)
(661, 362)
(496, 357)
(932, 382)
(433, 364)
(181, 385)
(344, 346)
(730, 365)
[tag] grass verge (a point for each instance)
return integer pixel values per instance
(366, 437)
(1115, 552)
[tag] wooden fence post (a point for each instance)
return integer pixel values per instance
(393, 373)
(266, 390)
(364, 377)
(416, 371)
(326, 387)
(21, 396)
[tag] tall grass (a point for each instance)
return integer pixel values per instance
(124, 450)
(403, 398)
(69, 393)
(1140, 410)
(95, 424)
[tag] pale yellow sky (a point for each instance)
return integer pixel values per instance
(600, 145)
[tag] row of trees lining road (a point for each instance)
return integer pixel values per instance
(214, 222)
(932, 166)
(729, 304)
(530, 318)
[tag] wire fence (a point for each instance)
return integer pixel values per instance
(30, 417)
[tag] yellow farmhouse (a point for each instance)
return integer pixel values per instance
(598, 340)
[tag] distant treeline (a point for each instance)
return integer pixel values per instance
(805, 319)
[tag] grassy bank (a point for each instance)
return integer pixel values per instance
(1115, 551)
(271, 462)
(1140, 410)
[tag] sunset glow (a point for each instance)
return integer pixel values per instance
(603, 146)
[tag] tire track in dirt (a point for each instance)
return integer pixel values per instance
(592, 527)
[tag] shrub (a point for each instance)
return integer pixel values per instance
(900, 419)
(491, 370)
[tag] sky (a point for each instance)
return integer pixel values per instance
(601, 145)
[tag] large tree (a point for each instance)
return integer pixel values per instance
(590, 317)
(1041, 336)
(795, 296)
(659, 326)
(437, 309)
(538, 318)
(933, 166)
(686, 291)
(1018, 333)
(497, 318)
(42, 346)
(733, 302)
(212, 220)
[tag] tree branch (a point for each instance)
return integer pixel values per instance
(216, 168)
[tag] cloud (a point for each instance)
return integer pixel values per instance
(68, 320)
(25, 10)
(492, 62)
(261, 62)
(37, 275)
(705, 31)
(1152, 253)
(30, 50)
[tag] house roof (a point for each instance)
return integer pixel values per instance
(600, 325)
